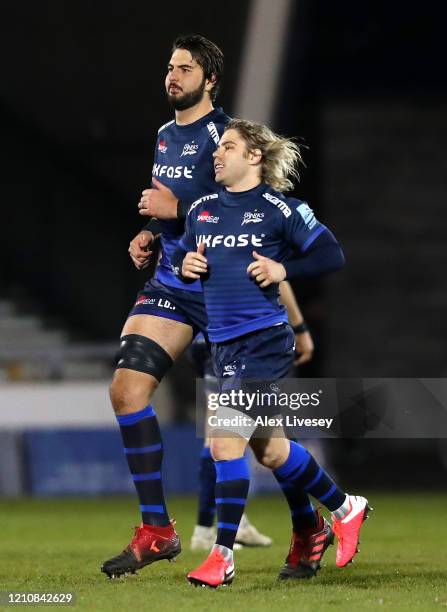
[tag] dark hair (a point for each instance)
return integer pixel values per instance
(208, 55)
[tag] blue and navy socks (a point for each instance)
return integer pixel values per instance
(144, 452)
(232, 482)
(207, 485)
(301, 508)
(301, 475)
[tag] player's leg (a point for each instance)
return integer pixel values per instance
(232, 483)
(311, 533)
(302, 473)
(204, 533)
(268, 353)
(149, 346)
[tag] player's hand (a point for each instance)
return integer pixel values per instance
(266, 271)
(194, 263)
(139, 249)
(304, 346)
(159, 202)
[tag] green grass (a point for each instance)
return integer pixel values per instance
(58, 545)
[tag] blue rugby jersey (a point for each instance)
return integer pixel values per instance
(183, 161)
(232, 226)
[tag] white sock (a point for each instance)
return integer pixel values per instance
(226, 553)
(201, 529)
(343, 510)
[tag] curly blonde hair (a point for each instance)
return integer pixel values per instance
(281, 156)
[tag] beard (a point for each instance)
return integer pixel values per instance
(187, 100)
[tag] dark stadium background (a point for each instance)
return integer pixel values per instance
(81, 97)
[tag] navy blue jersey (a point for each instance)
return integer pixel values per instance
(183, 161)
(233, 225)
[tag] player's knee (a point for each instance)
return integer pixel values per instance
(142, 354)
(269, 456)
(222, 449)
(127, 396)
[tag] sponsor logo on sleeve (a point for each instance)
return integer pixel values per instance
(307, 215)
(162, 146)
(213, 131)
(278, 203)
(211, 196)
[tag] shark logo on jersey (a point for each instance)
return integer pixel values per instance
(242, 240)
(252, 217)
(307, 214)
(213, 131)
(172, 171)
(190, 149)
(279, 203)
(229, 370)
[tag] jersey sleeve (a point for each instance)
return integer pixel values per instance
(301, 227)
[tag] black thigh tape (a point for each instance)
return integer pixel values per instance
(143, 355)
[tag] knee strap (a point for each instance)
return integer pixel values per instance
(143, 355)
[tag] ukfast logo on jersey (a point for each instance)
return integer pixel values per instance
(212, 129)
(205, 217)
(162, 146)
(172, 171)
(229, 241)
(307, 214)
(189, 149)
(279, 203)
(252, 217)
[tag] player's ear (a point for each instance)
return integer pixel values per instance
(209, 83)
(255, 156)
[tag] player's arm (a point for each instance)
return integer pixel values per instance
(193, 264)
(160, 202)
(322, 256)
(141, 248)
(303, 340)
(320, 253)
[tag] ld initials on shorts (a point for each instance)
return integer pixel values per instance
(165, 304)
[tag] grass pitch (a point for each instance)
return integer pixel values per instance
(58, 546)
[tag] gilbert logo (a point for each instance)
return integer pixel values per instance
(205, 217)
(190, 149)
(252, 217)
(162, 146)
